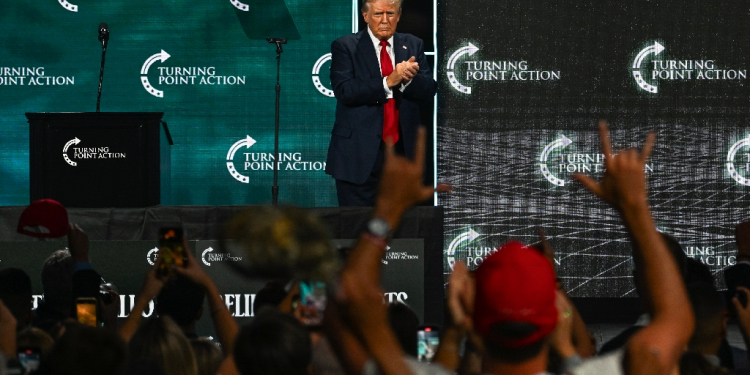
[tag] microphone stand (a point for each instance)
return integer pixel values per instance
(275, 188)
(104, 39)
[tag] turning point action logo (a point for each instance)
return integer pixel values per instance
(477, 70)
(462, 239)
(32, 76)
(183, 76)
(262, 161)
(468, 50)
(316, 79)
(247, 142)
(208, 256)
(88, 152)
(553, 162)
(648, 69)
(562, 142)
(733, 172)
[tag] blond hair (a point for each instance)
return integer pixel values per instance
(162, 342)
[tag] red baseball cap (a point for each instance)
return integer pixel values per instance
(515, 284)
(44, 218)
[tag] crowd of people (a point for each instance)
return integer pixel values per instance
(509, 316)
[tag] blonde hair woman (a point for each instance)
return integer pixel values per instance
(161, 342)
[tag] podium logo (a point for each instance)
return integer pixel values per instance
(316, 79)
(490, 70)
(152, 255)
(734, 172)
(264, 161)
(387, 249)
(183, 76)
(650, 66)
(461, 240)
(68, 6)
(73, 141)
(88, 152)
(209, 256)
(32, 76)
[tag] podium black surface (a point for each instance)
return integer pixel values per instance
(99, 159)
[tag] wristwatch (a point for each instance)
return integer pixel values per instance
(379, 228)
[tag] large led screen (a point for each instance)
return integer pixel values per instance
(522, 86)
(205, 64)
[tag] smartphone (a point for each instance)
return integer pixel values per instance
(86, 311)
(30, 358)
(171, 250)
(428, 338)
(312, 302)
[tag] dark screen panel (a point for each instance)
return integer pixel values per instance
(522, 86)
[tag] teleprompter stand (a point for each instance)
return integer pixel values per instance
(271, 21)
(275, 188)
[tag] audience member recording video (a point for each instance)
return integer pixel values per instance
(319, 315)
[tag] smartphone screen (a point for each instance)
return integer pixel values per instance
(171, 249)
(86, 311)
(312, 302)
(29, 358)
(428, 338)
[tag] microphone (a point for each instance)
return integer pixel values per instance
(103, 32)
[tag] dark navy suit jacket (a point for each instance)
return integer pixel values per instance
(358, 85)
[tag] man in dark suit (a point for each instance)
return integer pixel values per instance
(378, 77)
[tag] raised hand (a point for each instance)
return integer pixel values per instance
(401, 183)
(193, 270)
(562, 338)
(154, 282)
(7, 332)
(78, 244)
(624, 181)
(460, 297)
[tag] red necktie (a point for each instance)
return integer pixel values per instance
(390, 112)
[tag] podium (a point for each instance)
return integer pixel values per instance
(99, 159)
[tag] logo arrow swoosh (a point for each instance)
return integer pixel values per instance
(467, 237)
(655, 49)
(161, 56)
(562, 142)
(470, 50)
(730, 161)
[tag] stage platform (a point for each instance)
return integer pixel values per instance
(133, 231)
(123, 239)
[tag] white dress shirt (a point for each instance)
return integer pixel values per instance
(389, 50)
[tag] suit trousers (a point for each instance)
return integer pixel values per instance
(363, 195)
